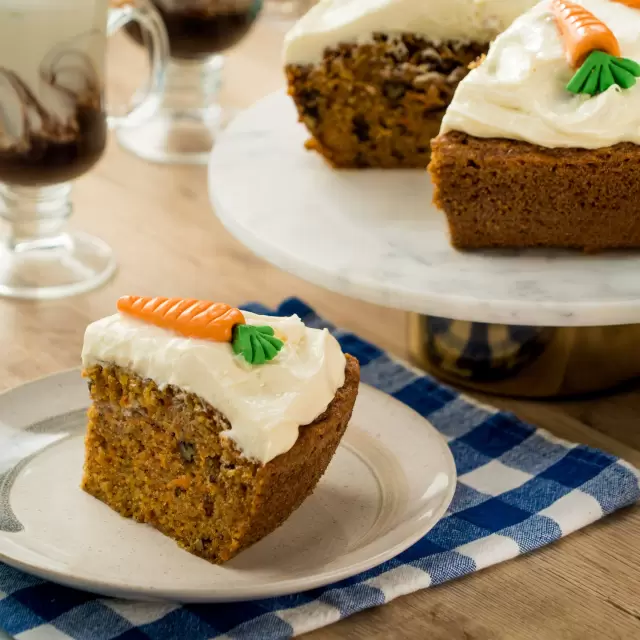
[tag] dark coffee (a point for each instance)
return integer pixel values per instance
(200, 29)
(44, 160)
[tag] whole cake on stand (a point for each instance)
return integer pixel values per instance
(529, 322)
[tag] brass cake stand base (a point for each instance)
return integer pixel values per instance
(534, 362)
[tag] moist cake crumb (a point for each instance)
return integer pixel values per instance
(160, 456)
(379, 104)
(507, 193)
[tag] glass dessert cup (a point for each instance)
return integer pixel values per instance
(183, 129)
(53, 129)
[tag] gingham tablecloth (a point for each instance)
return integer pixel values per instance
(519, 488)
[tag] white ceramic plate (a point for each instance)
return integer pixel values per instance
(390, 481)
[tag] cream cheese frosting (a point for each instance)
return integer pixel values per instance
(519, 92)
(332, 22)
(264, 404)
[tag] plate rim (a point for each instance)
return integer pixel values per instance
(245, 593)
(455, 306)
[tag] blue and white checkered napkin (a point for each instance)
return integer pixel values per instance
(519, 488)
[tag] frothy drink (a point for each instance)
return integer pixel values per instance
(52, 120)
(200, 28)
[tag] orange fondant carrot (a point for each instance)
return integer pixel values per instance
(191, 318)
(634, 4)
(582, 32)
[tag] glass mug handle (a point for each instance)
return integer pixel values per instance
(151, 23)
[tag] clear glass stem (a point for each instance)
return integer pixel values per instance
(193, 85)
(39, 259)
(184, 128)
(35, 217)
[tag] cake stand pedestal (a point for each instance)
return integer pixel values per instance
(525, 323)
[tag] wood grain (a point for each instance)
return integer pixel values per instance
(168, 242)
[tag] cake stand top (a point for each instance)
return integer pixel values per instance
(374, 235)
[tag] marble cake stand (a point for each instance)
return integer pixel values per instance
(533, 323)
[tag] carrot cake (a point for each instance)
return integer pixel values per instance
(371, 78)
(540, 146)
(209, 423)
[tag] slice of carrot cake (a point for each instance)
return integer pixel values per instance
(371, 78)
(540, 146)
(210, 423)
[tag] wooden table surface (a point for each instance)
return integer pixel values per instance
(168, 242)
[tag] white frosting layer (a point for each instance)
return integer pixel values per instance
(519, 91)
(332, 22)
(264, 404)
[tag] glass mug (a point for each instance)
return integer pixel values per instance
(183, 129)
(53, 129)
